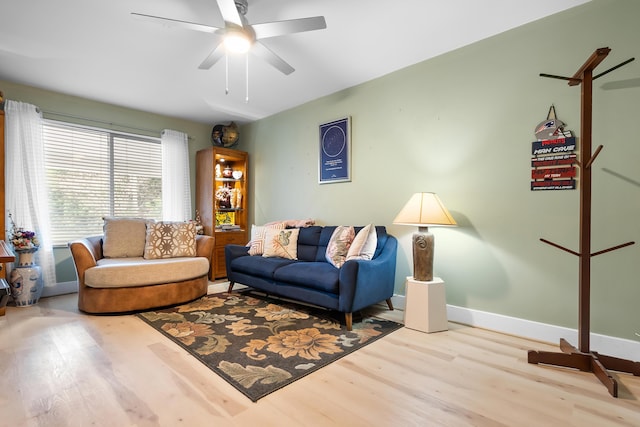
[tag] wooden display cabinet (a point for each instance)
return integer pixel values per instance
(6, 255)
(226, 219)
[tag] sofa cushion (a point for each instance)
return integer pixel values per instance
(316, 275)
(339, 245)
(130, 271)
(281, 243)
(124, 237)
(168, 239)
(308, 239)
(382, 236)
(364, 244)
(323, 242)
(258, 266)
(258, 232)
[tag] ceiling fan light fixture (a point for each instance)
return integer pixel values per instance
(237, 42)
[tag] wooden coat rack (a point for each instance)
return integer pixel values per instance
(583, 358)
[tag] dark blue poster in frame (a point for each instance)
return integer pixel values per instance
(335, 151)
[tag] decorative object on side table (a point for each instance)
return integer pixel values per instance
(423, 210)
(198, 222)
(225, 135)
(25, 279)
(223, 197)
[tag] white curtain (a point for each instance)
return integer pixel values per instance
(176, 185)
(26, 186)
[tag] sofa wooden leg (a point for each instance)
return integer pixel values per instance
(348, 317)
(230, 287)
(390, 304)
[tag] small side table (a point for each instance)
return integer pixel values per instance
(6, 255)
(426, 305)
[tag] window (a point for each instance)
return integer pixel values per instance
(92, 173)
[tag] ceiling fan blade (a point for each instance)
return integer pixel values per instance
(264, 53)
(281, 28)
(177, 23)
(229, 12)
(213, 57)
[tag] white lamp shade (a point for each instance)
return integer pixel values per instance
(424, 209)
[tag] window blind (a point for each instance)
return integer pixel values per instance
(92, 173)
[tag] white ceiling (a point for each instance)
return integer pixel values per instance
(97, 50)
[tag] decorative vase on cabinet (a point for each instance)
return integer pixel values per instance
(221, 200)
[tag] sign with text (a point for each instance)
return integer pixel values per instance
(335, 151)
(553, 164)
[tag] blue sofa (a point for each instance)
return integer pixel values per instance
(311, 279)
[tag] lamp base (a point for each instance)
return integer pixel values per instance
(423, 244)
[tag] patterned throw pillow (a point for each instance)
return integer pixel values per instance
(281, 243)
(364, 245)
(339, 244)
(258, 232)
(124, 237)
(170, 240)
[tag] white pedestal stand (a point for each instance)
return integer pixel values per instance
(426, 305)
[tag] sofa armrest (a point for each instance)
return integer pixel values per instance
(85, 253)
(367, 282)
(232, 252)
(204, 246)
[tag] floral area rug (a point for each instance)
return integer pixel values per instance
(259, 344)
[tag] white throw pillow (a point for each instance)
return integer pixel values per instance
(258, 232)
(364, 245)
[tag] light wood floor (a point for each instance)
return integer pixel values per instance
(62, 368)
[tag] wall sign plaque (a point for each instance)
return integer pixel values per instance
(553, 161)
(335, 151)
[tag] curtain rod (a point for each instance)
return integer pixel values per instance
(71, 116)
(54, 113)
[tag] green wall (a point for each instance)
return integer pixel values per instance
(121, 119)
(461, 125)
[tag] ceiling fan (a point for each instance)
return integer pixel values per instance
(240, 36)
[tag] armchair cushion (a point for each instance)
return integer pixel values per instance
(166, 239)
(124, 237)
(128, 272)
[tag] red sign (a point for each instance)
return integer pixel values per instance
(560, 160)
(561, 184)
(553, 173)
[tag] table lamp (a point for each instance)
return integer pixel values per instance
(423, 210)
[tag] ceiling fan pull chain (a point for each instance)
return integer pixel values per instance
(246, 78)
(226, 73)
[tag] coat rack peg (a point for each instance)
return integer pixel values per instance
(552, 76)
(583, 358)
(555, 245)
(613, 248)
(613, 68)
(593, 157)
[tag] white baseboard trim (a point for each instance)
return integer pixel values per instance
(604, 344)
(611, 346)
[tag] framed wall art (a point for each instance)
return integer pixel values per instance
(335, 151)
